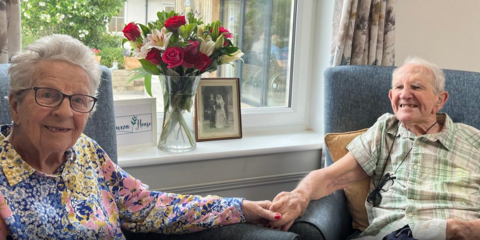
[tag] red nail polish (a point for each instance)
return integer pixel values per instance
(278, 216)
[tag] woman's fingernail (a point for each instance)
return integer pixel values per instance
(278, 216)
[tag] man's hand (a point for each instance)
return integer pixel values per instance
(460, 229)
(291, 205)
(258, 212)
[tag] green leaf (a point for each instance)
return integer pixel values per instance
(145, 29)
(215, 27)
(149, 67)
(148, 85)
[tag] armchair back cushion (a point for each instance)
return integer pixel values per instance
(357, 192)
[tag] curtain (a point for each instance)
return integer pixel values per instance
(363, 32)
(10, 32)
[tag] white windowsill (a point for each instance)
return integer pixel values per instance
(254, 142)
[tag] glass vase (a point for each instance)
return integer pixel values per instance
(178, 130)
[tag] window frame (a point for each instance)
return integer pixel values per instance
(297, 114)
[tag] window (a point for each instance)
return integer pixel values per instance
(274, 78)
(118, 22)
(266, 72)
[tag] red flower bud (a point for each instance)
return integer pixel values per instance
(131, 31)
(175, 22)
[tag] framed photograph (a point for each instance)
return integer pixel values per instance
(217, 109)
(136, 123)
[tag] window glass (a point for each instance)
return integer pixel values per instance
(262, 29)
(265, 72)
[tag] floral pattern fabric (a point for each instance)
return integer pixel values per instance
(10, 32)
(363, 32)
(90, 197)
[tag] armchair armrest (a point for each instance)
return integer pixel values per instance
(326, 218)
(243, 231)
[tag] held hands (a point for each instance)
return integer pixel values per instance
(291, 205)
(460, 229)
(258, 212)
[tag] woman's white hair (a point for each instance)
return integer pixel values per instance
(54, 47)
(438, 75)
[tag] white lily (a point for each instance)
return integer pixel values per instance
(200, 30)
(207, 46)
(158, 39)
(219, 42)
(234, 57)
(141, 52)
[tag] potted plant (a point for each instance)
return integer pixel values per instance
(97, 54)
(129, 61)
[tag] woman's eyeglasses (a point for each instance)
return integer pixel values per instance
(375, 197)
(51, 98)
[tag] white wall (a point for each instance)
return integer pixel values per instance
(447, 33)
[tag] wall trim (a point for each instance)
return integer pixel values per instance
(205, 188)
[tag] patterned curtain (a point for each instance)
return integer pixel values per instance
(364, 32)
(10, 32)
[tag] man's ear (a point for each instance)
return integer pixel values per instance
(441, 100)
(13, 100)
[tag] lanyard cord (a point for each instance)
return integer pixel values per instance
(391, 147)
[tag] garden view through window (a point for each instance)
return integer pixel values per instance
(262, 29)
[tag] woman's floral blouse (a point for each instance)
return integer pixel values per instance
(91, 198)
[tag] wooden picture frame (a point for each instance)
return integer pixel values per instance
(217, 109)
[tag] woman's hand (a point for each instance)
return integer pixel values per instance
(258, 212)
(460, 229)
(291, 205)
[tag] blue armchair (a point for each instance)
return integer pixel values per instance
(355, 96)
(101, 127)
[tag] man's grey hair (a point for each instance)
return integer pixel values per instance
(56, 47)
(438, 75)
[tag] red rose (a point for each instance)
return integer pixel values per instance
(154, 56)
(175, 22)
(131, 31)
(173, 56)
(227, 33)
(190, 55)
(203, 62)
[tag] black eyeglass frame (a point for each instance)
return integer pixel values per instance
(61, 101)
(375, 197)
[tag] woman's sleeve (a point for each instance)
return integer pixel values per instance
(142, 210)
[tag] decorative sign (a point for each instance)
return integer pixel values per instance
(135, 123)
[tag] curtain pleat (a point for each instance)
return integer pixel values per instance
(10, 31)
(363, 32)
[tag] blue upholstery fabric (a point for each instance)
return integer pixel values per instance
(355, 96)
(100, 126)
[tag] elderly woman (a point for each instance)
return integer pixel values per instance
(425, 168)
(57, 183)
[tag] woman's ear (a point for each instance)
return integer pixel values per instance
(13, 101)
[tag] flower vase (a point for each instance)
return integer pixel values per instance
(178, 131)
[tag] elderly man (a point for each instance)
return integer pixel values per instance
(425, 169)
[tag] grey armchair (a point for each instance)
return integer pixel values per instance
(101, 127)
(355, 96)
